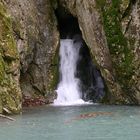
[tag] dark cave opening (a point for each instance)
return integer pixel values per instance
(67, 24)
(91, 81)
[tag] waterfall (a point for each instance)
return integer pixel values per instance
(68, 92)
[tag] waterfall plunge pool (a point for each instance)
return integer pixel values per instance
(90, 122)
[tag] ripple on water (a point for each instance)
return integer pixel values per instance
(86, 122)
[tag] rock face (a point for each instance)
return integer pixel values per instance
(121, 22)
(29, 43)
(37, 39)
(29, 39)
(111, 30)
(131, 31)
(10, 93)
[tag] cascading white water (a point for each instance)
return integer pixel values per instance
(68, 92)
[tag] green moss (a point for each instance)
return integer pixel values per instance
(10, 94)
(54, 71)
(7, 43)
(9, 91)
(0, 104)
(16, 25)
(100, 3)
(1, 69)
(121, 54)
(54, 3)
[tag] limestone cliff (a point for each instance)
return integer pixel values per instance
(29, 43)
(37, 39)
(111, 31)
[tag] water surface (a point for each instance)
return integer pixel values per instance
(64, 123)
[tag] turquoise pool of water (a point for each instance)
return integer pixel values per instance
(65, 123)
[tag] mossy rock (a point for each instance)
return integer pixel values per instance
(0, 106)
(2, 72)
(121, 53)
(10, 94)
(54, 72)
(7, 42)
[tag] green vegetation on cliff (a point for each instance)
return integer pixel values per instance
(121, 54)
(9, 88)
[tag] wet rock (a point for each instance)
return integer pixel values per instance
(111, 31)
(37, 38)
(29, 43)
(29, 39)
(29, 101)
